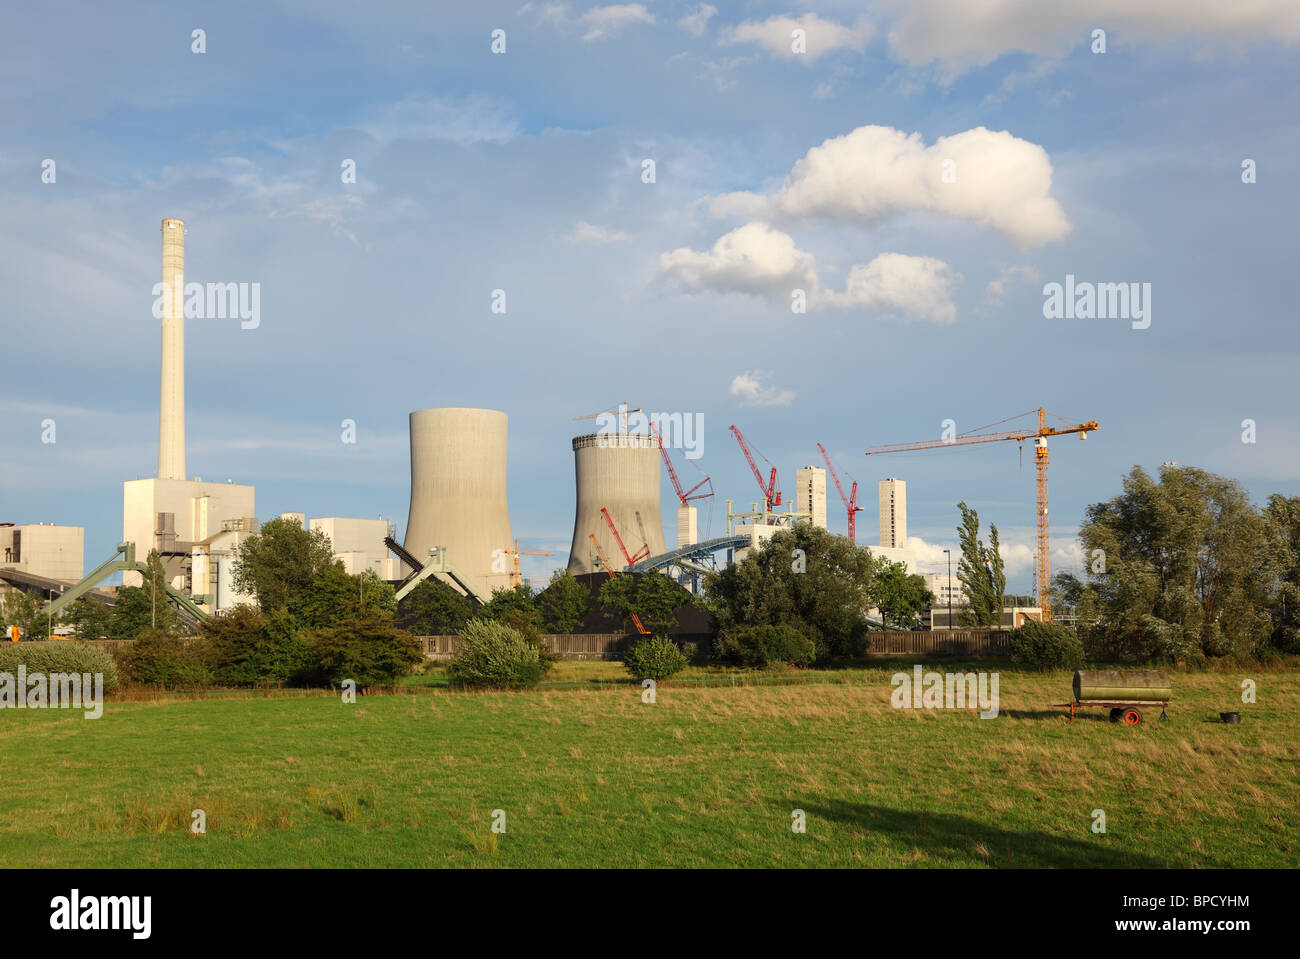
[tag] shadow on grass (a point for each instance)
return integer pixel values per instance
(1079, 715)
(949, 837)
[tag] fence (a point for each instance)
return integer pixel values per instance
(975, 643)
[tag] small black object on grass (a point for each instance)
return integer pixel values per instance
(1230, 718)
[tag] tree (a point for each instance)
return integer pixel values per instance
(23, 610)
(161, 615)
(980, 571)
(133, 612)
(653, 597)
(900, 598)
(89, 619)
(1283, 514)
(516, 607)
(564, 603)
(278, 563)
(333, 596)
(434, 609)
(804, 577)
(370, 651)
(1182, 568)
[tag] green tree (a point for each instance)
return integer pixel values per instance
(162, 617)
(279, 562)
(516, 607)
(133, 613)
(89, 619)
(1188, 568)
(370, 651)
(653, 597)
(23, 610)
(1283, 514)
(804, 577)
(900, 598)
(564, 603)
(980, 571)
(333, 596)
(434, 609)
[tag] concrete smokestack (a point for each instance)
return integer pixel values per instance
(171, 407)
(458, 492)
(619, 471)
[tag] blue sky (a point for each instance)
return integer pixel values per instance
(522, 171)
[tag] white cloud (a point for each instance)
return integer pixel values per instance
(588, 234)
(997, 287)
(605, 21)
(470, 120)
(918, 287)
(697, 21)
(989, 178)
(753, 259)
(760, 261)
(959, 34)
(749, 389)
(776, 35)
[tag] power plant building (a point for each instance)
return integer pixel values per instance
(458, 493)
(893, 513)
(359, 544)
(618, 472)
(810, 492)
(170, 513)
(43, 549)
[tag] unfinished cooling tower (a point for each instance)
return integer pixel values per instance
(620, 472)
(458, 492)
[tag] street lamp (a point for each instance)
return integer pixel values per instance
(948, 553)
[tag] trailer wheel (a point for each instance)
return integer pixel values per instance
(1115, 714)
(1132, 716)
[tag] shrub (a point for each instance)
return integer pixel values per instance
(249, 648)
(59, 656)
(370, 652)
(1047, 646)
(656, 658)
(156, 659)
(759, 646)
(495, 656)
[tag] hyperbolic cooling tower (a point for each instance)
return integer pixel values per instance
(171, 407)
(619, 471)
(458, 492)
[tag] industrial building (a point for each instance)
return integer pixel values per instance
(43, 549)
(893, 513)
(359, 544)
(810, 493)
(458, 493)
(170, 513)
(618, 473)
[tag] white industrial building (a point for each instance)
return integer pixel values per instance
(359, 543)
(938, 585)
(173, 515)
(893, 513)
(810, 493)
(43, 549)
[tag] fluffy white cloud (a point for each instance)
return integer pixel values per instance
(990, 178)
(589, 234)
(603, 21)
(752, 259)
(749, 389)
(777, 35)
(918, 287)
(761, 261)
(960, 34)
(697, 21)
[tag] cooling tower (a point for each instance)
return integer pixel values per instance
(171, 407)
(619, 471)
(458, 492)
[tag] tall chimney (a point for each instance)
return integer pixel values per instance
(171, 408)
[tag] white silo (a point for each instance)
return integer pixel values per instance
(458, 492)
(620, 472)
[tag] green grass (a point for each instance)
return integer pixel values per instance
(707, 776)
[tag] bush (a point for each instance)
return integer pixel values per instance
(493, 655)
(249, 648)
(759, 646)
(370, 652)
(656, 658)
(59, 656)
(156, 659)
(1047, 646)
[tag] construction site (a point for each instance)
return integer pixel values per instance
(458, 527)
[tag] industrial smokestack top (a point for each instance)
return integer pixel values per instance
(620, 472)
(171, 405)
(458, 492)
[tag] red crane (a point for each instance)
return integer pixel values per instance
(771, 495)
(686, 496)
(642, 553)
(850, 502)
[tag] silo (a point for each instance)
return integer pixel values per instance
(620, 472)
(458, 492)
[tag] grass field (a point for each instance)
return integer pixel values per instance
(707, 776)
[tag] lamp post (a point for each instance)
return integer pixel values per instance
(948, 553)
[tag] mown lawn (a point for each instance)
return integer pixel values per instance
(707, 776)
